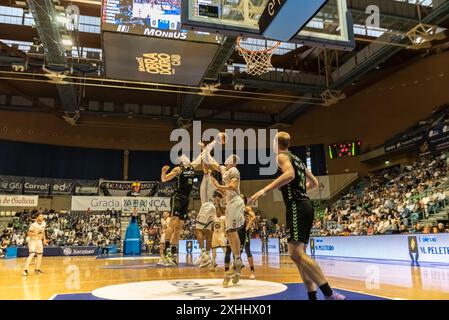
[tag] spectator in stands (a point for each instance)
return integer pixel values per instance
(3, 247)
(389, 199)
(440, 228)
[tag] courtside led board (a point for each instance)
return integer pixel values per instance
(331, 27)
(284, 19)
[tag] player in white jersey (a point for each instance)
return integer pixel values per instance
(219, 228)
(206, 215)
(37, 239)
(235, 208)
(165, 220)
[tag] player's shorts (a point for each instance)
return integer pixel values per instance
(242, 234)
(179, 206)
(300, 215)
(35, 246)
(206, 216)
(235, 209)
(218, 240)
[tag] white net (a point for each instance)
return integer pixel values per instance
(258, 61)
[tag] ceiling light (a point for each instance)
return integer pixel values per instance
(67, 42)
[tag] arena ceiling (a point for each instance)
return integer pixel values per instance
(278, 97)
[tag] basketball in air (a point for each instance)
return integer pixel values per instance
(222, 138)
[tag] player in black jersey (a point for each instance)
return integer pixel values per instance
(250, 218)
(293, 182)
(179, 202)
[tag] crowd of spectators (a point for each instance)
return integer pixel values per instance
(391, 201)
(66, 229)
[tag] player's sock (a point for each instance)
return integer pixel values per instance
(326, 289)
(312, 295)
(167, 246)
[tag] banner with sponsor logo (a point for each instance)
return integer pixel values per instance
(125, 204)
(18, 201)
(405, 142)
(62, 251)
(128, 188)
(145, 204)
(192, 246)
(79, 251)
(438, 138)
(39, 186)
(96, 203)
(45, 186)
(415, 248)
(62, 187)
(11, 185)
(86, 187)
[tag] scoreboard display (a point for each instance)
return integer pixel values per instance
(154, 18)
(345, 149)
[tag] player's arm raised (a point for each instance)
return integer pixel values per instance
(288, 174)
(169, 176)
(232, 186)
(252, 217)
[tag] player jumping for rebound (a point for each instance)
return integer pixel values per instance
(36, 242)
(293, 182)
(165, 220)
(179, 203)
(207, 212)
(219, 227)
(235, 208)
(250, 218)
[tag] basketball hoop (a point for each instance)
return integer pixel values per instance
(257, 61)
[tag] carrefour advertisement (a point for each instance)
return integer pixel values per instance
(412, 247)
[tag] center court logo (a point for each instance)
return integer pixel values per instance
(188, 289)
(159, 63)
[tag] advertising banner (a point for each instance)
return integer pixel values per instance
(125, 204)
(62, 187)
(11, 185)
(18, 201)
(191, 246)
(86, 187)
(96, 203)
(128, 188)
(410, 247)
(40, 186)
(156, 60)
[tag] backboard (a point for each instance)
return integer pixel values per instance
(331, 27)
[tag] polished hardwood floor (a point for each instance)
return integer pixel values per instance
(85, 274)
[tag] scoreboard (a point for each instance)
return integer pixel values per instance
(344, 149)
(154, 18)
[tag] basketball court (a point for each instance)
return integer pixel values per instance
(90, 278)
(108, 84)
